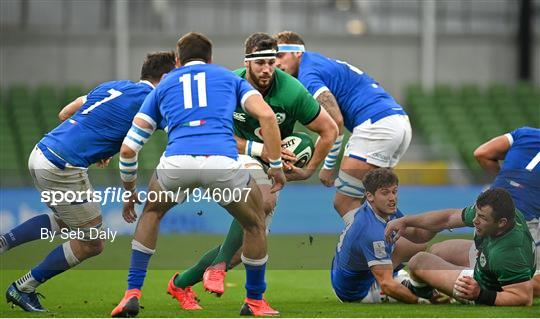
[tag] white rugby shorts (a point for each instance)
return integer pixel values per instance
(382, 143)
(180, 172)
(48, 177)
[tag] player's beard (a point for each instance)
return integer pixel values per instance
(260, 85)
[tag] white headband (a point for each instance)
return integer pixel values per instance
(260, 55)
(291, 48)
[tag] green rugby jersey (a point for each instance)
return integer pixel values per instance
(505, 259)
(289, 100)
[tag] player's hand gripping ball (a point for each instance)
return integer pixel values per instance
(301, 145)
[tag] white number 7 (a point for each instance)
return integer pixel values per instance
(113, 94)
(533, 162)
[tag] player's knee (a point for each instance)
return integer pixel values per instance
(416, 261)
(152, 213)
(338, 205)
(92, 248)
(255, 225)
(344, 205)
(437, 249)
(268, 205)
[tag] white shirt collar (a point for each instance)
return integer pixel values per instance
(148, 83)
(376, 215)
(193, 63)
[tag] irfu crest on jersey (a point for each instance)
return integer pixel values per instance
(483, 260)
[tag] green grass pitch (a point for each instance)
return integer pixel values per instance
(298, 283)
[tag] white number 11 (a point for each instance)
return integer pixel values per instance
(201, 89)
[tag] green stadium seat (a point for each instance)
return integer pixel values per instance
(469, 116)
(497, 91)
(49, 104)
(469, 91)
(532, 111)
(525, 90)
(414, 92)
(492, 129)
(11, 163)
(515, 120)
(8, 154)
(25, 118)
(443, 91)
(71, 93)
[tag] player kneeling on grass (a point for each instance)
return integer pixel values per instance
(365, 266)
(504, 262)
(291, 103)
(92, 132)
(196, 102)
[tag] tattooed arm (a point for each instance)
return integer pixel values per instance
(327, 100)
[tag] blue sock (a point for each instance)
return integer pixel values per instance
(28, 231)
(137, 269)
(54, 264)
(255, 284)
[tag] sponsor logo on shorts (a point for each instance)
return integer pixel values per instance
(380, 156)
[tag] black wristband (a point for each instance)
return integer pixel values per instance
(486, 297)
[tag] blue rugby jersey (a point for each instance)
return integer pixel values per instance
(97, 129)
(361, 246)
(196, 103)
(358, 95)
(520, 172)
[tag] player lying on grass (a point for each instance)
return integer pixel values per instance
(381, 132)
(196, 102)
(365, 266)
(291, 103)
(519, 175)
(504, 261)
(93, 129)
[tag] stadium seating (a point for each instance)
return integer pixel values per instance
(10, 164)
(454, 120)
(48, 104)
(457, 120)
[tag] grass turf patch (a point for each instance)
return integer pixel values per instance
(298, 282)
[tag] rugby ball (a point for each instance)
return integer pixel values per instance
(301, 145)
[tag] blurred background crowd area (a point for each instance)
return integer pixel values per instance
(465, 70)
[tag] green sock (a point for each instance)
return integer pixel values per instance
(194, 274)
(230, 246)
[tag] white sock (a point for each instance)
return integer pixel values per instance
(70, 256)
(27, 283)
(135, 245)
(254, 262)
